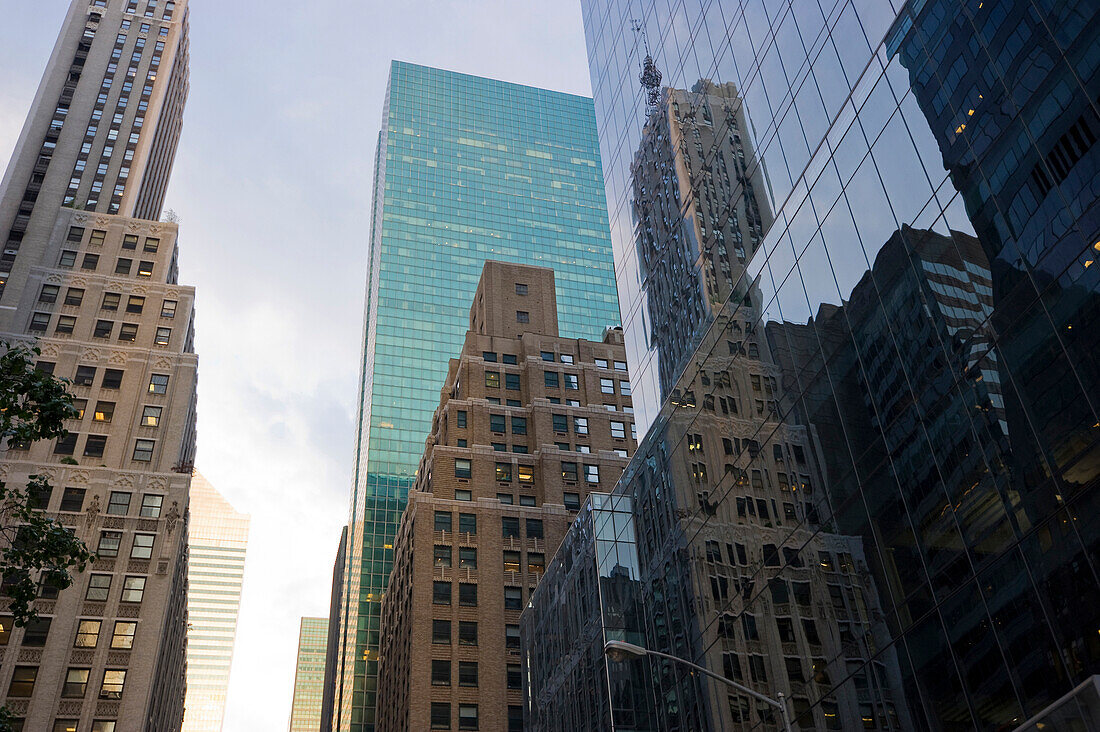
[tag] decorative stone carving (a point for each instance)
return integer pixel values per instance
(30, 655)
(93, 508)
(90, 354)
(147, 525)
(163, 363)
(51, 350)
(80, 218)
(134, 226)
(56, 278)
(129, 611)
(71, 708)
(138, 566)
(118, 658)
(78, 282)
(157, 484)
(172, 517)
(77, 477)
(113, 522)
(102, 221)
(124, 480)
(139, 290)
(118, 358)
(83, 656)
(104, 565)
(107, 709)
(93, 608)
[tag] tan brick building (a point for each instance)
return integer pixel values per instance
(527, 425)
(89, 273)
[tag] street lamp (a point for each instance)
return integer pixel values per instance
(620, 651)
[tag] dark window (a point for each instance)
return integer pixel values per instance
(48, 294)
(112, 378)
(489, 356)
(441, 672)
(548, 356)
(462, 468)
(521, 289)
(511, 382)
(496, 423)
(441, 632)
(522, 316)
(460, 419)
(467, 594)
(467, 716)
(513, 598)
(145, 269)
(135, 304)
(510, 358)
(441, 593)
(111, 301)
(91, 261)
(572, 501)
(467, 557)
(511, 636)
(467, 673)
(441, 715)
(85, 376)
(504, 472)
(550, 379)
(123, 266)
(73, 500)
(36, 632)
(22, 681)
(128, 332)
(561, 423)
(442, 556)
(510, 527)
(534, 528)
(95, 445)
(442, 521)
(515, 718)
(66, 445)
(467, 633)
(103, 329)
(569, 472)
(467, 523)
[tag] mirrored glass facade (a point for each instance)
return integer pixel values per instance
(468, 170)
(870, 481)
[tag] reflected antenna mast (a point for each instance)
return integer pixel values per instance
(650, 77)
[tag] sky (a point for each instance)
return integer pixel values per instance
(272, 187)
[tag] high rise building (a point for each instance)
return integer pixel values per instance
(332, 650)
(89, 273)
(921, 303)
(309, 676)
(528, 423)
(218, 542)
(468, 169)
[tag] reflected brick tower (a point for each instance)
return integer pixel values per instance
(90, 274)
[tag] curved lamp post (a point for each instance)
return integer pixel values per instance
(620, 651)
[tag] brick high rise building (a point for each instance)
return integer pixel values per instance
(528, 423)
(90, 274)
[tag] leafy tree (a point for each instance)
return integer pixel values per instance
(33, 406)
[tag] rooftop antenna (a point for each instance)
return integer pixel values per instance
(650, 77)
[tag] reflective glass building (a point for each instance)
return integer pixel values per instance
(468, 169)
(870, 482)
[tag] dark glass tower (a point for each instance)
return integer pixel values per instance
(468, 169)
(924, 296)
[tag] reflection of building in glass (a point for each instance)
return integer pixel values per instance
(218, 540)
(468, 169)
(698, 216)
(309, 676)
(528, 423)
(936, 247)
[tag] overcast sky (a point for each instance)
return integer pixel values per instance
(272, 185)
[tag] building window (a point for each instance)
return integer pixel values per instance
(547, 356)
(143, 450)
(129, 241)
(65, 445)
(561, 424)
(511, 382)
(74, 296)
(569, 472)
(492, 379)
(68, 259)
(511, 561)
(103, 329)
(550, 379)
(462, 468)
(526, 474)
(22, 681)
(513, 598)
(81, 406)
(580, 425)
(48, 294)
(95, 445)
(572, 501)
(607, 386)
(592, 473)
(119, 503)
(109, 543)
(511, 637)
(163, 336)
(133, 589)
(504, 472)
(112, 378)
(496, 423)
(87, 633)
(571, 381)
(534, 529)
(441, 593)
(168, 309)
(99, 586)
(143, 546)
(620, 365)
(489, 356)
(519, 425)
(509, 527)
(91, 261)
(66, 324)
(40, 323)
(618, 430)
(536, 562)
(73, 500)
(76, 684)
(460, 419)
(467, 557)
(441, 632)
(515, 717)
(135, 304)
(467, 633)
(522, 316)
(467, 673)
(442, 521)
(158, 384)
(624, 388)
(510, 359)
(150, 416)
(467, 594)
(601, 363)
(442, 556)
(467, 523)
(36, 633)
(145, 269)
(85, 376)
(441, 672)
(521, 288)
(113, 683)
(151, 245)
(128, 332)
(463, 495)
(123, 266)
(505, 498)
(102, 725)
(441, 715)
(104, 412)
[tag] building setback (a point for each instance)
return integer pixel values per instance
(309, 676)
(468, 169)
(217, 544)
(528, 423)
(89, 274)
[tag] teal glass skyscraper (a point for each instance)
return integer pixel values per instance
(468, 169)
